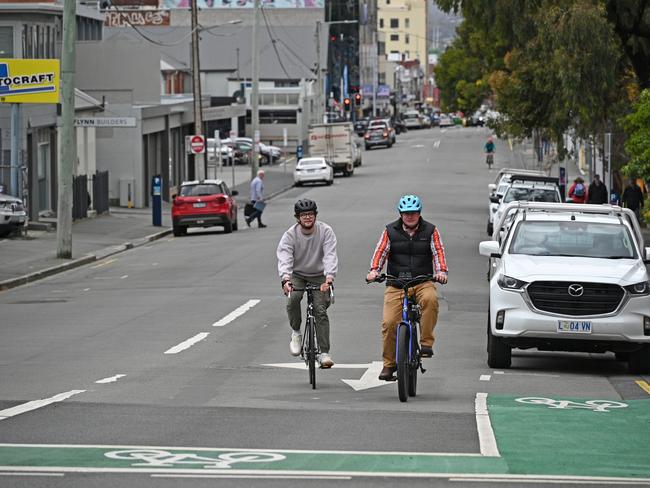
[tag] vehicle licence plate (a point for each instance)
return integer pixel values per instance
(574, 326)
(199, 205)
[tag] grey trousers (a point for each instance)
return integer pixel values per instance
(321, 302)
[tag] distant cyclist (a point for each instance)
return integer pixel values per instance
(307, 254)
(412, 247)
(489, 149)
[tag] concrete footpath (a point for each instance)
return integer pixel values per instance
(33, 256)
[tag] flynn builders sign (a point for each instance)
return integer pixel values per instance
(137, 18)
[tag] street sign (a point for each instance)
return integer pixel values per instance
(195, 144)
(105, 122)
(257, 137)
(285, 133)
(29, 80)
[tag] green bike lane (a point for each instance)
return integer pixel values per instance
(571, 439)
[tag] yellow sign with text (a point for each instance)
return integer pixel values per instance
(29, 80)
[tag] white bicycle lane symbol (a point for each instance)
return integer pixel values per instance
(595, 405)
(165, 459)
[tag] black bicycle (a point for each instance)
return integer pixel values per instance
(310, 349)
(407, 346)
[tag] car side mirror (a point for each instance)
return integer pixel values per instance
(489, 249)
(234, 193)
(495, 198)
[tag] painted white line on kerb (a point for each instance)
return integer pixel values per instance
(239, 311)
(188, 343)
(486, 440)
(111, 379)
(33, 405)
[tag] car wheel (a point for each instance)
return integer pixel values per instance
(499, 353)
(639, 361)
(490, 228)
(235, 224)
(329, 182)
(297, 183)
(367, 147)
(177, 230)
(227, 227)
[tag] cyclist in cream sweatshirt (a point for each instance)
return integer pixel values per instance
(307, 254)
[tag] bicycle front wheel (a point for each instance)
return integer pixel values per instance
(311, 352)
(413, 365)
(402, 362)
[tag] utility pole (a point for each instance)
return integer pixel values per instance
(68, 153)
(199, 159)
(374, 73)
(319, 88)
(255, 112)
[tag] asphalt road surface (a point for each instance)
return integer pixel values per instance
(168, 365)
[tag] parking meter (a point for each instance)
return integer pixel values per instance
(156, 203)
(299, 153)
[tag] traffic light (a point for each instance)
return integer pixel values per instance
(357, 99)
(346, 104)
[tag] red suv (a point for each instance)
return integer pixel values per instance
(204, 204)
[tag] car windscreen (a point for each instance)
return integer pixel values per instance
(200, 190)
(312, 163)
(411, 116)
(531, 195)
(573, 238)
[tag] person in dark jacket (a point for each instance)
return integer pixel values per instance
(633, 198)
(412, 247)
(597, 192)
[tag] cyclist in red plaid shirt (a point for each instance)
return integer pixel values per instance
(412, 247)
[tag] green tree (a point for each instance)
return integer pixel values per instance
(637, 126)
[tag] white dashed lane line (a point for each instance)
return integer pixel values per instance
(187, 344)
(239, 311)
(33, 405)
(110, 379)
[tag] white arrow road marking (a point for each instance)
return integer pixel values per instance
(111, 379)
(436, 144)
(369, 379)
(418, 145)
(302, 365)
(33, 405)
(236, 313)
(188, 343)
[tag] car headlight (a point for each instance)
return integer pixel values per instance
(639, 289)
(512, 284)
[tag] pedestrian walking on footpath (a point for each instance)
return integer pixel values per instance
(578, 191)
(633, 198)
(257, 199)
(597, 192)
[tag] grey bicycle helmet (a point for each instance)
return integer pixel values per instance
(305, 205)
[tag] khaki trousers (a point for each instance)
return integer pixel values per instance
(321, 303)
(427, 296)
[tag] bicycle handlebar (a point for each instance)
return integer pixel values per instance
(405, 283)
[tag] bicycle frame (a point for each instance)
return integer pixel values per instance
(410, 317)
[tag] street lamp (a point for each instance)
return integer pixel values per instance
(199, 159)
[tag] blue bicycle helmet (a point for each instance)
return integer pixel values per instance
(409, 203)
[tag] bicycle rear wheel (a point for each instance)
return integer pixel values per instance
(311, 352)
(402, 362)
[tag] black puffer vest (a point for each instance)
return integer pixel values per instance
(409, 256)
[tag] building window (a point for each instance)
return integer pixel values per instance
(394, 37)
(407, 38)
(6, 42)
(394, 23)
(381, 23)
(407, 23)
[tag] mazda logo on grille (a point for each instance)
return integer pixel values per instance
(576, 290)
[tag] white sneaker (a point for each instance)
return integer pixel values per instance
(325, 360)
(296, 343)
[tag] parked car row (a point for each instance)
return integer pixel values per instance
(204, 203)
(12, 215)
(564, 276)
(238, 151)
